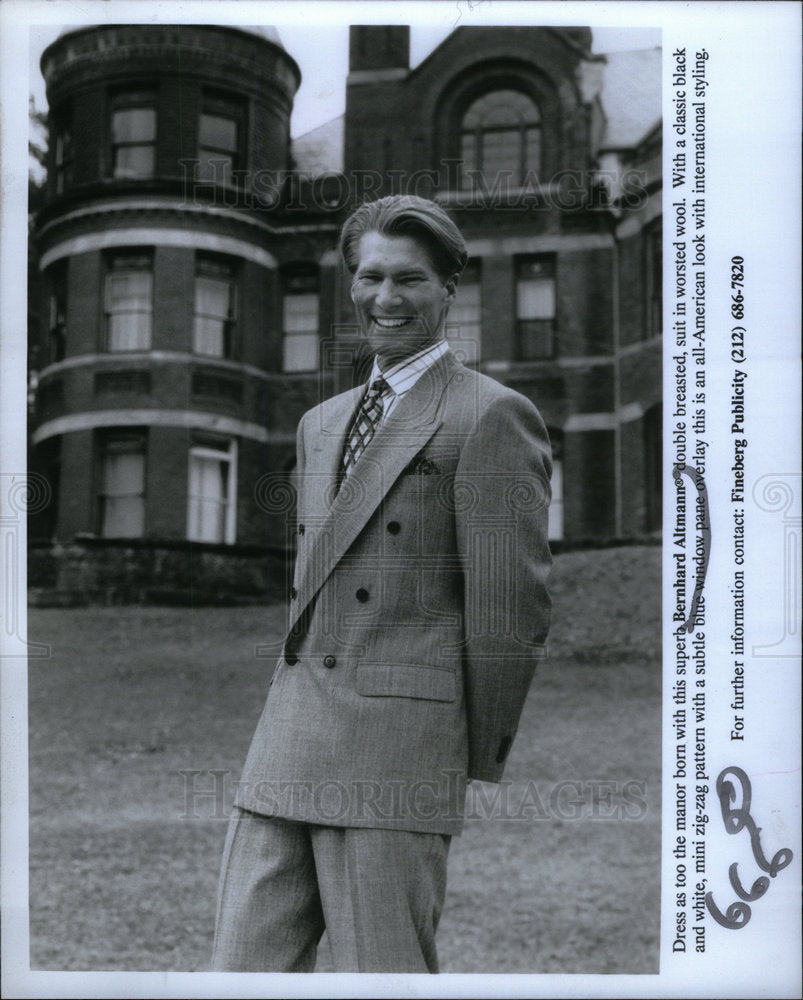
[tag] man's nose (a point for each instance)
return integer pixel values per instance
(388, 294)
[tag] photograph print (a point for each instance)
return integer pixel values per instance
(344, 558)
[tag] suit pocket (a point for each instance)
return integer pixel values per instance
(406, 680)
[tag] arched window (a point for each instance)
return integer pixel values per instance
(500, 134)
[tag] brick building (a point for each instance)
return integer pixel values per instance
(192, 304)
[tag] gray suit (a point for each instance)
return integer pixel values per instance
(419, 610)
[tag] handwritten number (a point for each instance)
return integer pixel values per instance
(757, 890)
(737, 818)
(734, 918)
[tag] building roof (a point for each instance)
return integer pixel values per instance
(630, 96)
(266, 31)
(320, 151)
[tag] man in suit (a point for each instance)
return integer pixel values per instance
(418, 613)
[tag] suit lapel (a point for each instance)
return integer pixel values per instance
(325, 454)
(412, 423)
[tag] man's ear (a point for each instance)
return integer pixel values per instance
(451, 287)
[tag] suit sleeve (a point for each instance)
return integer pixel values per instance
(501, 497)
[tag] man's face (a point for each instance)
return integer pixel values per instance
(401, 301)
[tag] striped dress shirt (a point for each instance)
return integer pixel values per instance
(402, 375)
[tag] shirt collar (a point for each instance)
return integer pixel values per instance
(402, 375)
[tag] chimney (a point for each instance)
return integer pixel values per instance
(378, 47)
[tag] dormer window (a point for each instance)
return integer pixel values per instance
(500, 139)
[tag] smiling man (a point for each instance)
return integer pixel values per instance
(418, 613)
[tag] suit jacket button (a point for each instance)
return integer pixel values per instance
(394, 527)
(301, 529)
(329, 661)
(290, 659)
(362, 595)
(293, 593)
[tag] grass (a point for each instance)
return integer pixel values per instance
(135, 704)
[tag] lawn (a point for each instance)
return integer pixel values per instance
(139, 724)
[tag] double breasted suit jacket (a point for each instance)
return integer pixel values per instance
(419, 608)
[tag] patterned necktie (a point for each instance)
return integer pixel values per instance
(365, 423)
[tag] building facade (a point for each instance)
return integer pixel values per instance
(192, 304)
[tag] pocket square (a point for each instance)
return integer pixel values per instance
(421, 466)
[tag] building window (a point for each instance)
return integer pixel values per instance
(210, 509)
(555, 528)
(653, 467)
(464, 322)
(129, 302)
(57, 324)
(535, 308)
(219, 138)
(300, 319)
(134, 133)
(63, 151)
(215, 307)
(122, 485)
(500, 135)
(655, 263)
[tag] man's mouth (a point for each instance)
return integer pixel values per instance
(391, 322)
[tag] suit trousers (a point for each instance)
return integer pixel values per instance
(378, 893)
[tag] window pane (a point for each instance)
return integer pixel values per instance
(212, 297)
(124, 518)
(463, 323)
(468, 151)
(501, 152)
(301, 352)
(123, 489)
(134, 125)
(209, 336)
(208, 499)
(214, 167)
(535, 298)
(134, 161)
(501, 135)
(123, 473)
(218, 132)
(301, 313)
(501, 107)
(128, 305)
(555, 524)
(129, 332)
(130, 291)
(533, 149)
(207, 521)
